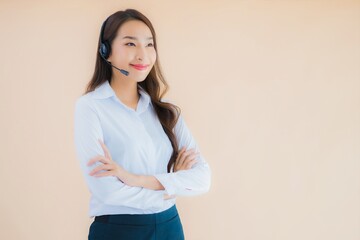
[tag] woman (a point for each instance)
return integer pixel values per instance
(135, 150)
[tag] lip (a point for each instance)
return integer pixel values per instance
(139, 66)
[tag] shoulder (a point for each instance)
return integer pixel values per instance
(85, 102)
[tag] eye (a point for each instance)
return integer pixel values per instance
(130, 44)
(150, 44)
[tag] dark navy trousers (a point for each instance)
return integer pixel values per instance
(165, 225)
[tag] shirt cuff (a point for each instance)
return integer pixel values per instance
(167, 179)
(159, 204)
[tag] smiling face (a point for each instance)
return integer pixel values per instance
(133, 50)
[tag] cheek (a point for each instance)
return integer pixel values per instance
(122, 52)
(153, 56)
(125, 53)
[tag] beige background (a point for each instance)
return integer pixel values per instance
(270, 90)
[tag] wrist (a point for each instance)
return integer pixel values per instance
(128, 178)
(133, 180)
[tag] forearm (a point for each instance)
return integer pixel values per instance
(144, 181)
(149, 182)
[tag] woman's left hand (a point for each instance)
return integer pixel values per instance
(111, 168)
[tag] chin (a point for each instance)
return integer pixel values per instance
(140, 79)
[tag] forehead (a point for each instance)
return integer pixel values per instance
(134, 28)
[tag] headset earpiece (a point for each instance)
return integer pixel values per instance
(105, 48)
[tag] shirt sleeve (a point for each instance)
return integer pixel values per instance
(109, 189)
(189, 182)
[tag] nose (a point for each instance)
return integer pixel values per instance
(141, 54)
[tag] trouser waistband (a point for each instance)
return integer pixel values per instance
(139, 219)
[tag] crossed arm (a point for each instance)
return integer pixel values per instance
(185, 160)
(190, 177)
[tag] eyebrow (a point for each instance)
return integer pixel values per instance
(134, 38)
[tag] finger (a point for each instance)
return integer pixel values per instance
(181, 151)
(182, 156)
(180, 159)
(99, 158)
(106, 150)
(105, 174)
(189, 164)
(189, 152)
(167, 197)
(191, 156)
(101, 167)
(185, 155)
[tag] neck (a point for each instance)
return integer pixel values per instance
(125, 89)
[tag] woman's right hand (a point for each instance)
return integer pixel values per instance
(185, 160)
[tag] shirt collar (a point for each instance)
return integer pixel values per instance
(104, 91)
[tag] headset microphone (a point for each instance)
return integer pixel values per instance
(126, 73)
(105, 49)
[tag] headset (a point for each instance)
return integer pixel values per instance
(105, 49)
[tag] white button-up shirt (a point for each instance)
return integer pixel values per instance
(138, 143)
